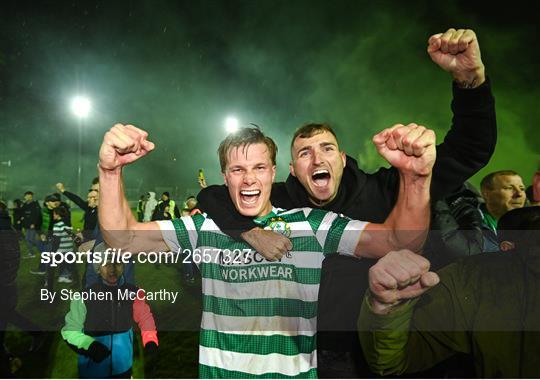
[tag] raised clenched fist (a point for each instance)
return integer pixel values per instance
(122, 145)
(458, 52)
(409, 148)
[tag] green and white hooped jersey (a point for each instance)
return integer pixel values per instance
(260, 317)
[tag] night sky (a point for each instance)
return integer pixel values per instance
(178, 68)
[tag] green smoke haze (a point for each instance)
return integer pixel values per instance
(178, 68)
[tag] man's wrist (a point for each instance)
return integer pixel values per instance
(378, 307)
(470, 79)
(417, 181)
(246, 235)
(109, 172)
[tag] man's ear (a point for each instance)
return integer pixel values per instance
(344, 158)
(291, 169)
(273, 173)
(225, 179)
(506, 245)
(484, 193)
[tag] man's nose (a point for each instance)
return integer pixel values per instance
(316, 157)
(249, 177)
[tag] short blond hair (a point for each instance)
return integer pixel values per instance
(245, 137)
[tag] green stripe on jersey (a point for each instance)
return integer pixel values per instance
(260, 307)
(258, 344)
(315, 218)
(198, 220)
(216, 239)
(182, 234)
(206, 372)
(334, 235)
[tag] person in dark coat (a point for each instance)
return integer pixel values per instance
(31, 223)
(10, 256)
(485, 306)
(90, 208)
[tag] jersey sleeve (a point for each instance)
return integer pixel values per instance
(343, 234)
(179, 233)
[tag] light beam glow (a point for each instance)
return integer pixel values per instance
(231, 124)
(81, 106)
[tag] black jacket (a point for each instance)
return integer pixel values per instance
(90, 214)
(32, 215)
(456, 229)
(9, 252)
(466, 148)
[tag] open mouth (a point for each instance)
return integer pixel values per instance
(112, 279)
(250, 196)
(321, 177)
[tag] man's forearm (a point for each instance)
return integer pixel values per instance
(76, 199)
(409, 220)
(114, 212)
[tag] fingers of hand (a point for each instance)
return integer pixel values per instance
(382, 285)
(120, 140)
(141, 136)
(423, 142)
(410, 137)
(380, 138)
(429, 279)
(386, 138)
(401, 138)
(454, 41)
(434, 43)
(283, 244)
(445, 38)
(426, 141)
(397, 275)
(467, 37)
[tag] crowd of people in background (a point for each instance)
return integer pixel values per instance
(47, 227)
(149, 208)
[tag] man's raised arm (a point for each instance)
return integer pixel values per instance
(411, 150)
(122, 145)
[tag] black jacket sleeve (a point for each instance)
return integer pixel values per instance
(470, 143)
(77, 200)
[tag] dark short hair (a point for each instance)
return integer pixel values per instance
(487, 181)
(62, 211)
(3, 207)
(309, 130)
(29, 193)
(95, 181)
(529, 193)
(166, 193)
(52, 198)
(520, 226)
(245, 137)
